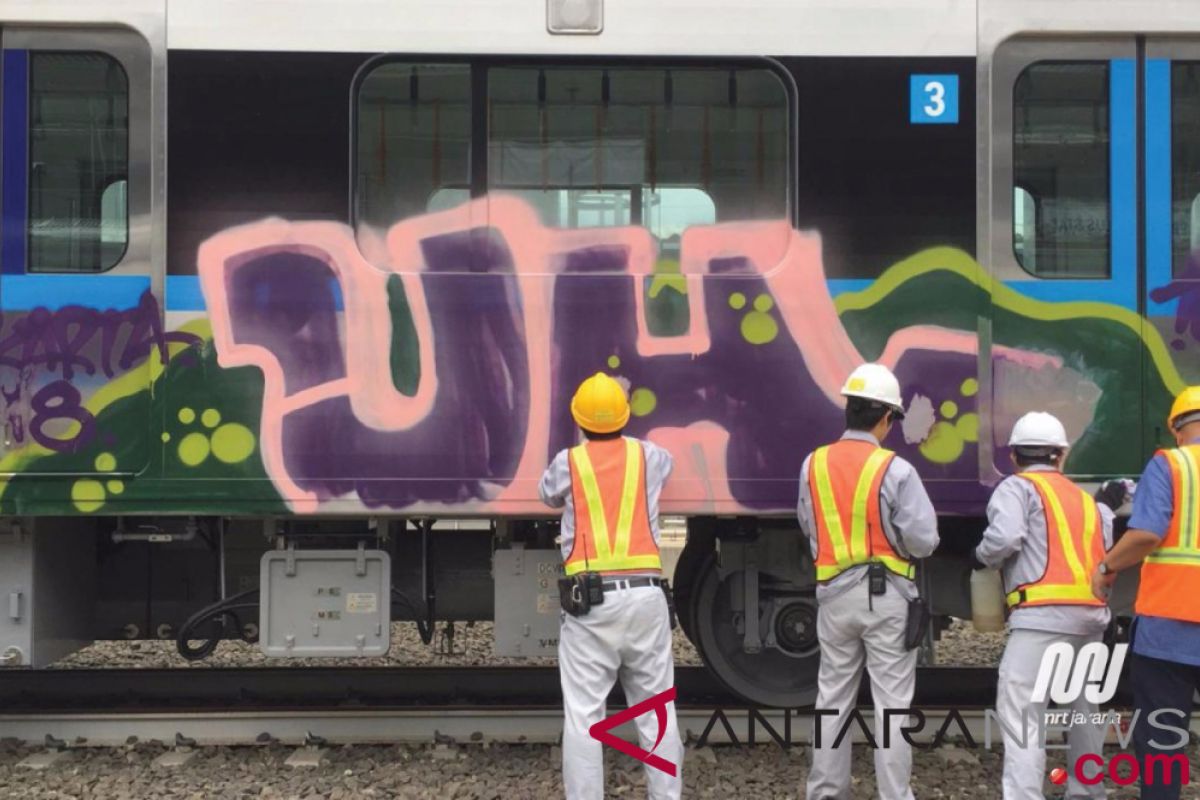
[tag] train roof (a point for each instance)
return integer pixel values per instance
(912, 28)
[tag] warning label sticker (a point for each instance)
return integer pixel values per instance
(362, 602)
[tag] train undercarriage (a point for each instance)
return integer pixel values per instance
(315, 587)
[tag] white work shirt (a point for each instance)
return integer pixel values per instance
(555, 490)
(909, 522)
(1016, 541)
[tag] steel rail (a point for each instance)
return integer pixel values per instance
(315, 689)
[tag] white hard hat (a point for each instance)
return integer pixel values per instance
(1038, 429)
(874, 382)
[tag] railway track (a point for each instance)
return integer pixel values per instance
(309, 688)
(380, 705)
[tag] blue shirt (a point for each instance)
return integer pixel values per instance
(1158, 637)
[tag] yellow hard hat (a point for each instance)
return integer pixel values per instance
(600, 405)
(1187, 403)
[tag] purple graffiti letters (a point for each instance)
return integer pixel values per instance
(62, 344)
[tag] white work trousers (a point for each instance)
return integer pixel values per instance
(1025, 763)
(626, 637)
(851, 634)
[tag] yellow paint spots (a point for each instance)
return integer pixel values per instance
(970, 387)
(737, 301)
(193, 449)
(106, 462)
(166, 437)
(949, 409)
(187, 416)
(968, 427)
(642, 402)
(759, 328)
(136, 380)
(944, 445)
(763, 303)
(211, 418)
(614, 362)
(232, 443)
(115, 487)
(87, 495)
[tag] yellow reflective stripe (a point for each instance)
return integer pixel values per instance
(897, 565)
(1179, 465)
(862, 498)
(1175, 555)
(1188, 521)
(591, 492)
(829, 510)
(635, 562)
(1064, 532)
(1050, 591)
(1091, 529)
(824, 573)
(629, 490)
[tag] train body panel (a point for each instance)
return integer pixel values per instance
(316, 270)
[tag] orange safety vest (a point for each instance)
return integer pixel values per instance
(1074, 545)
(844, 481)
(608, 482)
(1170, 577)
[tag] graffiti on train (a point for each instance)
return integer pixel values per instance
(45, 353)
(432, 363)
(1186, 290)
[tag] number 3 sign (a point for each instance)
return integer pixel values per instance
(933, 99)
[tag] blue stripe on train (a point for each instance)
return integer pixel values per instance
(52, 292)
(184, 293)
(14, 185)
(1158, 183)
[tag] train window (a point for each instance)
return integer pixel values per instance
(664, 148)
(1061, 169)
(413, 138)
(1185, 166)
(78, 156)
(1024, 239)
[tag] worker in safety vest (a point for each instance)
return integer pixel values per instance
(1046, 535)
(867, 517)
(1164, 531)
(609, 488)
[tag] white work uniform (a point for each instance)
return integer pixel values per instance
(1017, 542)
(628, 637)
(854, 629)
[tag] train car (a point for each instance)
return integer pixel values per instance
(294, 295)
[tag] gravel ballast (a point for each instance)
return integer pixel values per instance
(489, 772)
(959, 645)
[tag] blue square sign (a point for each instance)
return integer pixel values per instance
(933, 99)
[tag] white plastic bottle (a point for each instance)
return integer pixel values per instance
(987, 601)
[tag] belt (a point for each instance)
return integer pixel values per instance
(630, 583)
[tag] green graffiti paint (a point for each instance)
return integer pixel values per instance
(405, 356)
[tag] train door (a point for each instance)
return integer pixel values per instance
(1171, 157)
(81, 250)
(1060, 230)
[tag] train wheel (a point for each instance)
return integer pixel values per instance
(700, 544)
(783, 672)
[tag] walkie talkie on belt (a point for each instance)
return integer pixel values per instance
(578, 593)
(877, 577)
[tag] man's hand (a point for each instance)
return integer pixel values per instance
(1102, 584)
